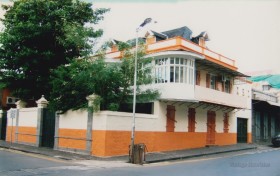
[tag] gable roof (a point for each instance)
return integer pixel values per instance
(159, 36)
(184, 32)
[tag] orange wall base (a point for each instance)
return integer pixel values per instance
(226, 138)
(8, 133)
(72, 138)
(249, 138)
(25, 134)
(112, 143)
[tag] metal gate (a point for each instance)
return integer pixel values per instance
(241, 130)
(3, 126)
(48, 128)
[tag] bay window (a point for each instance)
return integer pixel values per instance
(174, 70)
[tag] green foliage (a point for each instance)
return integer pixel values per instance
(112, 82)
(41, 35)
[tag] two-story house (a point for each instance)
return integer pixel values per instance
(200, 104)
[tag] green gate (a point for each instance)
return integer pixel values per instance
(3, 126)
(48, 128)
(241, 130)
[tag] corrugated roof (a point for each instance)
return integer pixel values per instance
(273, 80)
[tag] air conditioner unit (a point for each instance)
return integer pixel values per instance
(11, 100)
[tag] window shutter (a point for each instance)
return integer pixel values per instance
(208, 80)
(191, 116)
(230, 85)
(216, 83)
(198, 78)
(170, 118)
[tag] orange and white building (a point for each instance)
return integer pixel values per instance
(201, 103)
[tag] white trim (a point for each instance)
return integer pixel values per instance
(273, 104)
(176, 54)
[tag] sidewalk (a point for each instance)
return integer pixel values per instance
(150, 157)
(191, 153)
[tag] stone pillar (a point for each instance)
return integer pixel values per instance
(56, 130)
(19, 104)
(41, 104)
(91, 99)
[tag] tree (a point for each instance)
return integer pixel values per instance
(41, 35)
(111, 81)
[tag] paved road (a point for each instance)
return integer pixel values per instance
(256, 163)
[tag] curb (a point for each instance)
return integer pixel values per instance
(39, 153)
(197, 155)
(33, 152)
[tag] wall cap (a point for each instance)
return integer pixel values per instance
(42, 102)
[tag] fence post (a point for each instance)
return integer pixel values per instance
(41, 104)
(56, 130)
(91, 99)
(19, 105)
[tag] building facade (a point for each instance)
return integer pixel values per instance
(200, 104)
(265, 107)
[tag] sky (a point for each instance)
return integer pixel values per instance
(246, 31)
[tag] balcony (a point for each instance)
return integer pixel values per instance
(179, 43)
(217, 97)
(176, 91)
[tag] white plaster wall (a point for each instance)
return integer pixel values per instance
(210, 95)
(232, 123)
(175, 91)
(162, 44)
(181, 116)
(122, 121)
(99, 121)
(244, 90)
(73, 120)
(28, 117)
(203, 78)
(160, 110)
(201, 120)
(219, 122)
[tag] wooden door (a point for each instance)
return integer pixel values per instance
(170, 118)
(211, 128)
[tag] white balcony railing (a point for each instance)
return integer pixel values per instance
(180, 42)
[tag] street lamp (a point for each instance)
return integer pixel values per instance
(146, 21)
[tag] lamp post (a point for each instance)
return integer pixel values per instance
(146, 21)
